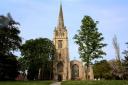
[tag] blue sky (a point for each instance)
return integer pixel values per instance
(38, 18)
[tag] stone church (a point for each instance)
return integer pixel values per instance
(63, 68)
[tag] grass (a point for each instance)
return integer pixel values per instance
(102, 82)
(25, 82)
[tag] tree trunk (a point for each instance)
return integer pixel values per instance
(87, 71)
(39, 74)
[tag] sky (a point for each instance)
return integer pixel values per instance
(38, 18)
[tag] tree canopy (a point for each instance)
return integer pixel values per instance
(9, 42)
(102, 70)
(89, 41)
(125, 62)
(38, 55)
(9, 31)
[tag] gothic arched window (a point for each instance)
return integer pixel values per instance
(59, 43)
(59, 67)
(75, 71)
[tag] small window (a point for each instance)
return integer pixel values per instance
(59, 55)
(59, 43)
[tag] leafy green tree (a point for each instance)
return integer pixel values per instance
(125, 52)
(9, 31)
(38, 55)
(9, 42)
(125, 62)
(102, 70)
(8, 67)
(89, 41)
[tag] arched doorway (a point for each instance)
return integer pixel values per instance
(75, 72)
(60, 71)
(59, 77)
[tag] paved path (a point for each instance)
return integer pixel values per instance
(56, 83)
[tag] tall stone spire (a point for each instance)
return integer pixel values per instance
(60, 18)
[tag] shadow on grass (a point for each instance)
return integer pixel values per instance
(25, 82)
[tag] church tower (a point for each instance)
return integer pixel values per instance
(62, 63)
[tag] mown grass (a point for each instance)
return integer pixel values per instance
(25, 82)
(101, 82)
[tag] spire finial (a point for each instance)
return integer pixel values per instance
(60, 2)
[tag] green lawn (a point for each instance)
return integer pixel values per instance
(102, 82)
(25, 82)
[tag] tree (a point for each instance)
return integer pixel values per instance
(118, 69)
(9, 42)
(102, 70)
(38, 55)
(125, 52)
(22, 67)
(8, 67)
(89, 41)
(125, 62)
(117, 48)
(9, 31)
